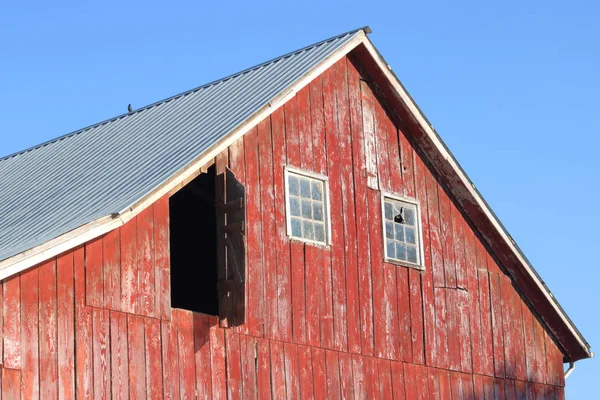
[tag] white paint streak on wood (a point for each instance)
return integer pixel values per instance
(369, 137)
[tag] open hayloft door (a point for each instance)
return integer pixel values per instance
(231, 248)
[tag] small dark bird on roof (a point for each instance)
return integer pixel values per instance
(129, 108)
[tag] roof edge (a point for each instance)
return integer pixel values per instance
(99, 227)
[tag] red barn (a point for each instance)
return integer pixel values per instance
(296, 230)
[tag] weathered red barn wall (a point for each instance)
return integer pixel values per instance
(322, 321)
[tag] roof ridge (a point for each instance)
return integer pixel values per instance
(366, 29)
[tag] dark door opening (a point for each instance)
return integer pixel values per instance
(193, 239)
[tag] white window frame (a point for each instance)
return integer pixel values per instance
(326, 205)
(420, 247)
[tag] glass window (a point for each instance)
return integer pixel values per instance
(307, 206)
(402, 231)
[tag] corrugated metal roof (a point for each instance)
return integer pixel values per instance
(58, 186)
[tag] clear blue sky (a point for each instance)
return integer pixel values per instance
(512, 88)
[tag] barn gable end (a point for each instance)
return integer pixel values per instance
(335, 319)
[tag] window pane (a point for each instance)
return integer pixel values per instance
(294, 206)
(400, 251)
(308, 231)
(318, 211)
(410, 235)
(389, 211)
(399, 232)
(391, 249)
(294, 185)
(409, 216)
(306, 202)
(320, 232)
(305, 188)
(411, 254)
(296, 227)
(317, 190)
(306, 209)
(389, 230)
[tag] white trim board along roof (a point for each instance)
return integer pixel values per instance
(65, 192)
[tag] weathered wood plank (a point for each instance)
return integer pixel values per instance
(162, 264)
(277, 358)
(145, 262)
(398, 391)
(292, 372)
(298, 293)
(435, 231)
(305, 129)
(129, 267)
(497, 333)
(284, 290)
(154, 370)
(202, 356)
(474, 303)
(368, 123)
(185, 344)
(263, 362)
(540, 352)
(486, 323)
(119, 356)
(464, 331)
(255, 273)
(101, 353)
(249, 353)
(458, 232)
(313, 265)
(65, 299)
(307, 388)
(170, 359)
(234, 365)
(381, 144)
(83, 331)
(137, 359)
(94, 276)
(268, 207)
(403, 337)
(428, 303)
(510, 357)
(111, 244)
(441, 330)
(346, 376)
(48, 331)
(453, 329)
(11, 384)
(445, 204)
(217, 359)
(292, 137)
(317, 118)
(331, 82)
(357, 278)
(334, 385)
(11, 311)
(360, 378)
(319, 373)
(384, 371)
(30, 339)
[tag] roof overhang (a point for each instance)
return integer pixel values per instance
(474, 207)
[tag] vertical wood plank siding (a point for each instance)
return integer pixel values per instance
(323, 321)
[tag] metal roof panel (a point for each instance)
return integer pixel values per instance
(60, 185)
